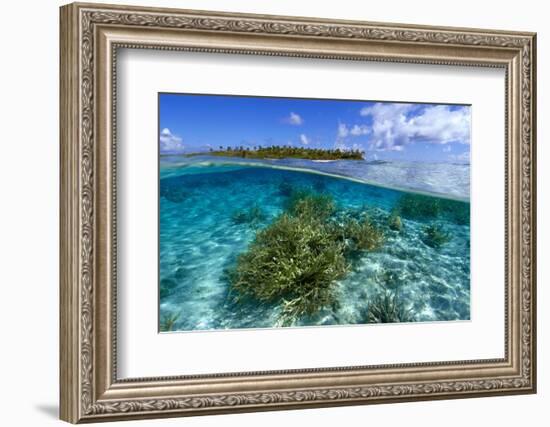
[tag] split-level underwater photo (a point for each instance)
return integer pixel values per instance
(281, 212)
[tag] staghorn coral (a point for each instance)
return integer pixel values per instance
(386, 307)
(456, 211)
(293, 262)
(305, 203)
(417, 206)
(394, 222)
(434, 236)
(362, 235)
(168, 321)
(285, 188)
(252, 215)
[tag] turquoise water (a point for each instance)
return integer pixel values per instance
(201, 238)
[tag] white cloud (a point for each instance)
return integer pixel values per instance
(343, 130)
(341, 144)
(294, 119)
(304, 139)
(358, 130)
(393, 125)
(170, 143)
(397, 148)
(447, 149)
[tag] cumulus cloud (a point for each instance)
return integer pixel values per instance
(343, 130)
(170, 143)
(341, 144)
(304, 139)
(345, 135)
(358, 130)
(396, 125)
(447, 149)
(294, 119)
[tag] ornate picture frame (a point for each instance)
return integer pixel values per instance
(90, 37)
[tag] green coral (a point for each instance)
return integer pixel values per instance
(252, 215)
(305, 203)
(293, 262)
(168, 322)
(457, 211)
(434, 236)
(387, 307)
(418, 206)
(394, 222)
(285, 188)
(362, 235)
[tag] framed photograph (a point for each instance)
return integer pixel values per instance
(266, 212)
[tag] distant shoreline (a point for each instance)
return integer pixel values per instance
(282, 152)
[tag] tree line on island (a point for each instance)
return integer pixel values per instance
(285, 152)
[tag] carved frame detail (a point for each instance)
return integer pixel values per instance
(81, 397)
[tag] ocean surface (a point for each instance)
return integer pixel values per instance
(200, 238)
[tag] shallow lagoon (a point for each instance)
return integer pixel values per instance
(201, 238)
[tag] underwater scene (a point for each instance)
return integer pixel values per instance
(296, 235)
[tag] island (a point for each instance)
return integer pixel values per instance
(284, 152)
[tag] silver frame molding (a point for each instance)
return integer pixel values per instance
(90, 37)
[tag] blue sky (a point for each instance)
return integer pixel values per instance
(383, 130)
